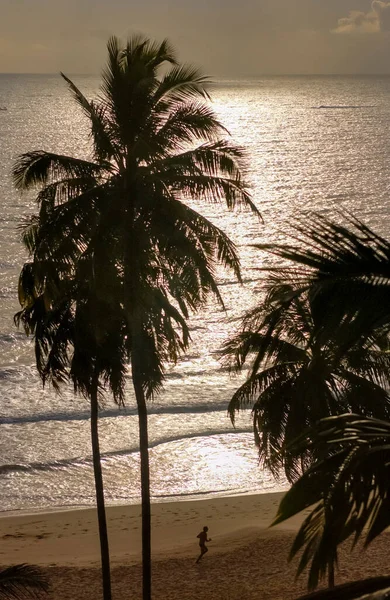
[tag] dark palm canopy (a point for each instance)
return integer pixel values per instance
(300, 373)
(119, 258)
(345, 272)
(114, 233)
(348, 487)
(344, 268)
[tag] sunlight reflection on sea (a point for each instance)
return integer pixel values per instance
(313, 143)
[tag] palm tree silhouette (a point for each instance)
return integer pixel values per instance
(345, 271)
(75, 339)
(300, 373)
(348, 486)
(119, 257)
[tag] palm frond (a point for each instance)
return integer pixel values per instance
(378, 588)
(301, 372)
(40, 167)
(194, 244)
(22, 581)
(153, 54)
(347, 485)
(182, 83)
(188, 122)
(103, 144)
(335, 256)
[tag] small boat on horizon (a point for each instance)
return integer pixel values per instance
(326, 106)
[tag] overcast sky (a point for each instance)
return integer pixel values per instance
(227, 38)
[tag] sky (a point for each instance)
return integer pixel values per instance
(226, 38)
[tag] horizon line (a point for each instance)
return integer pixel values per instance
(219, 77)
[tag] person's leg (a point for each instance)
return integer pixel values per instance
(203, 550)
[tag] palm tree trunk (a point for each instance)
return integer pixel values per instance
(331, 574)
(101, 511)
(145, 487)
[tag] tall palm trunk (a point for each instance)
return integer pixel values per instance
(331, 582)
(101, 511)
(132, 278)
(145, 485)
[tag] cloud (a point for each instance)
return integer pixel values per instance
(382, 10)
(374, 21)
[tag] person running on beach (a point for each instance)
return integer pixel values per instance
(202, 542)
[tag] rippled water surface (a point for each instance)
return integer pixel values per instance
(313, 143)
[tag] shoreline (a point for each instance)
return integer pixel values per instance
(48, 537)
(22, 512)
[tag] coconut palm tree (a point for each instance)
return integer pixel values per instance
(300, 373)
(67, 320)
(344, 270)
(22, 581)
(116, 239)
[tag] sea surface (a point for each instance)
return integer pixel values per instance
(313, 144)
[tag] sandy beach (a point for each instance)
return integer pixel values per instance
(247, 560)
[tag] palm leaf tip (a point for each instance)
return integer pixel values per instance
(377, 588)
(22, 581)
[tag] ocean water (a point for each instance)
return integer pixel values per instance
(313, 143)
